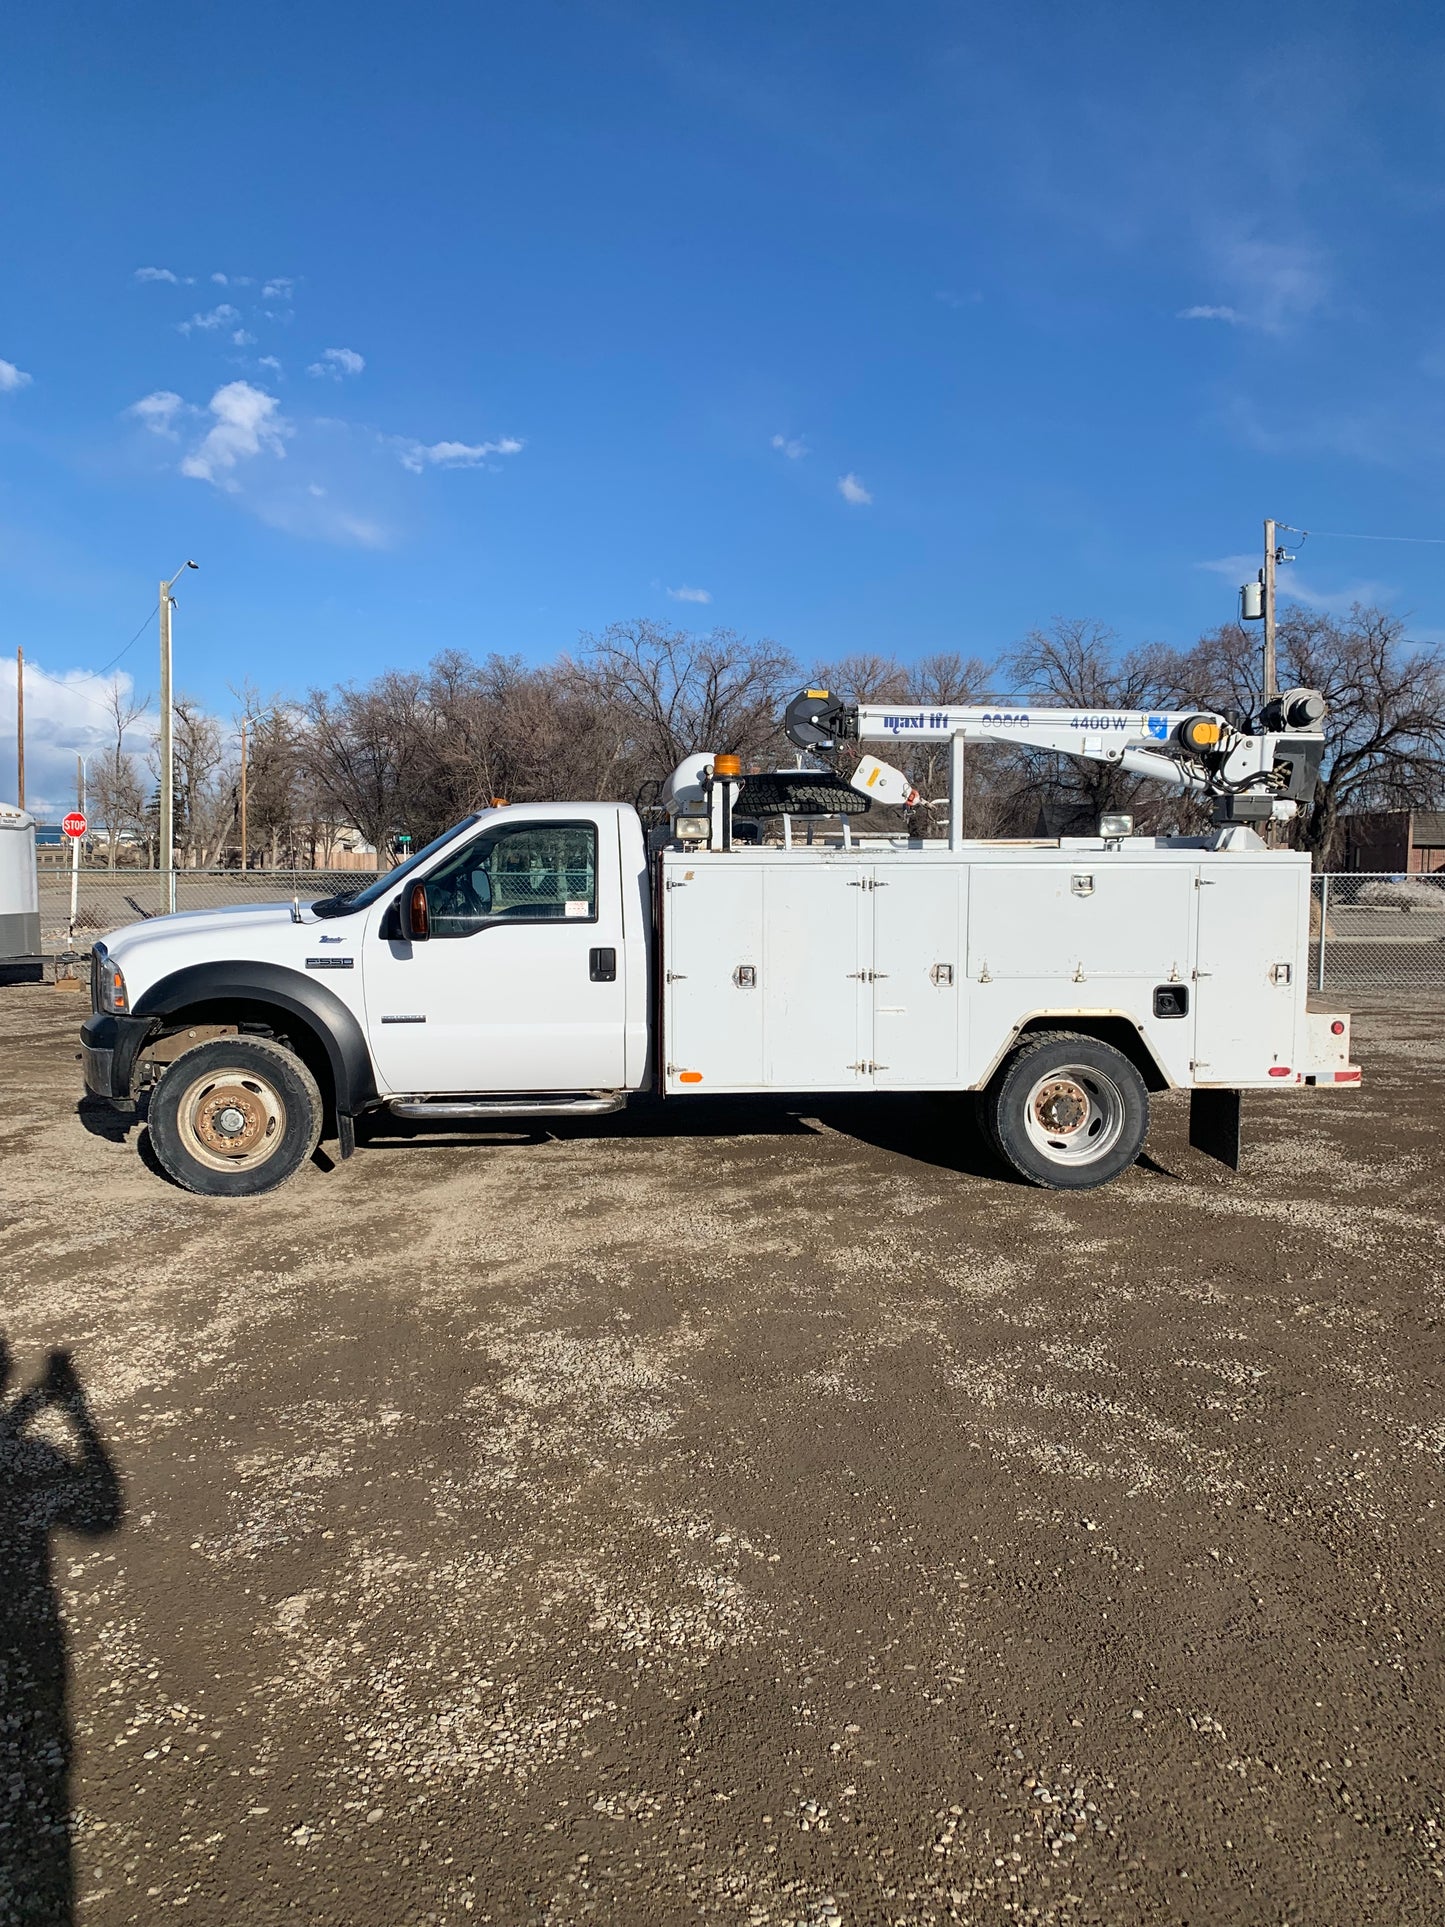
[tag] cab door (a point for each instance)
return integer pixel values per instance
(520, 984)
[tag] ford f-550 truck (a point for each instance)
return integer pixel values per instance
(555, 958)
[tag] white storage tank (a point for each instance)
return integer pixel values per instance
(19, 897)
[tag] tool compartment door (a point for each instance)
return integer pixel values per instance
(1253, 928)
(918, 957)
(1080, 917)
(817, 1002)
(712, 1016)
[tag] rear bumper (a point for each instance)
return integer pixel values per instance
(109, 1047)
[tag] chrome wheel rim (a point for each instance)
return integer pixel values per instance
(231, 1119)
(1074, 1115)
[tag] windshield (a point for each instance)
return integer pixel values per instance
(342, 906)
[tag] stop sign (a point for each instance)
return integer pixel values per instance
(75, 825)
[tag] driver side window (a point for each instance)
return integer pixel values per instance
(530, 872)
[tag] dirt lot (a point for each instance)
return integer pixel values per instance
(805, 1525)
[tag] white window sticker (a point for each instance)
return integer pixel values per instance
(576, 909)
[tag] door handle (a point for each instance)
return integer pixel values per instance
(602, 964)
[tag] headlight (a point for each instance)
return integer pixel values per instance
(107, 988)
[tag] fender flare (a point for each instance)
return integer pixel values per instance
(321, 1010)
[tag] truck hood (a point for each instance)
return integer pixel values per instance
(191, 927)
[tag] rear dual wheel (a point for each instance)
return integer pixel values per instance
(1067, 1112)
(234, 1117)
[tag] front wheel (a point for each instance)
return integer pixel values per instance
(1067, 1112)
(234, 1117)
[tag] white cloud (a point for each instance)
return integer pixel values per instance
(243, 339)
(952, 300)
(66, 715)
(1274, 285)
(1334, 602)
(685, 594)
(270, 361)
(221, 317)
(158, 274)
(1238, 568)
(852, 490)
(337, 362)
(315, 488)
(1292, 587)
(278, 288)
(158, 412)
(794, 447)
(220, 280)
(418, 456)
(248, 423)
(12, 378)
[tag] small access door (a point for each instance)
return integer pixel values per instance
(818, 999)
(520, 986)
(919, 925)
(1251, 958)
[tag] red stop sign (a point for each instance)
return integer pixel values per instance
(75, 824)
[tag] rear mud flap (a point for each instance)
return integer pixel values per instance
(1214, 1125)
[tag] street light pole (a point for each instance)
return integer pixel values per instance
(167, 748)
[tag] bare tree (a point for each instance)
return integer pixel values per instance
(205, 783)
(1074, 665)
(668, 693)
(114, 777)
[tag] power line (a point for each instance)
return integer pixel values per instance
(1345, 535)
(74, 689)
(150, 618)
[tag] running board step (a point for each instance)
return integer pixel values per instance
(484, 1107)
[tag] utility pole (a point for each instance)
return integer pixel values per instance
(168, 770)
(80, 784)
(1271, 665)
(20, 726)
(245, 845)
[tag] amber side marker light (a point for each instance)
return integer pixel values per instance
(689, 1077)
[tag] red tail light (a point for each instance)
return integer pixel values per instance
(1279, 1070)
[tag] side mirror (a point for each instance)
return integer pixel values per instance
(415, 922)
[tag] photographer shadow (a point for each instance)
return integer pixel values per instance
(43, 1490)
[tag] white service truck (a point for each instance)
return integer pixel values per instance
(555, 959)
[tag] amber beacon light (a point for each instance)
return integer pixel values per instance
(727, 765)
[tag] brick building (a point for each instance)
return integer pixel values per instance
(1398, 842)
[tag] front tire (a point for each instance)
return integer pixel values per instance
(235, 1117)
(1067, 1112)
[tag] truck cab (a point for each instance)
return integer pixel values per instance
(510, 957)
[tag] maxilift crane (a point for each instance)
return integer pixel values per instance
(1251, 777)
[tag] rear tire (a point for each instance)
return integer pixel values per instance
(235, 1117)
(1066, 1112)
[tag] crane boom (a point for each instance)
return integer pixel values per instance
(1249, 775)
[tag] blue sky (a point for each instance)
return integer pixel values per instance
(879, 328)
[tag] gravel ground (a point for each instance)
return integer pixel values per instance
(777, 1517)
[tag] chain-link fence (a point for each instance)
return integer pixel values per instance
(1367, 932)
(1370, 932)
(106, 899)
